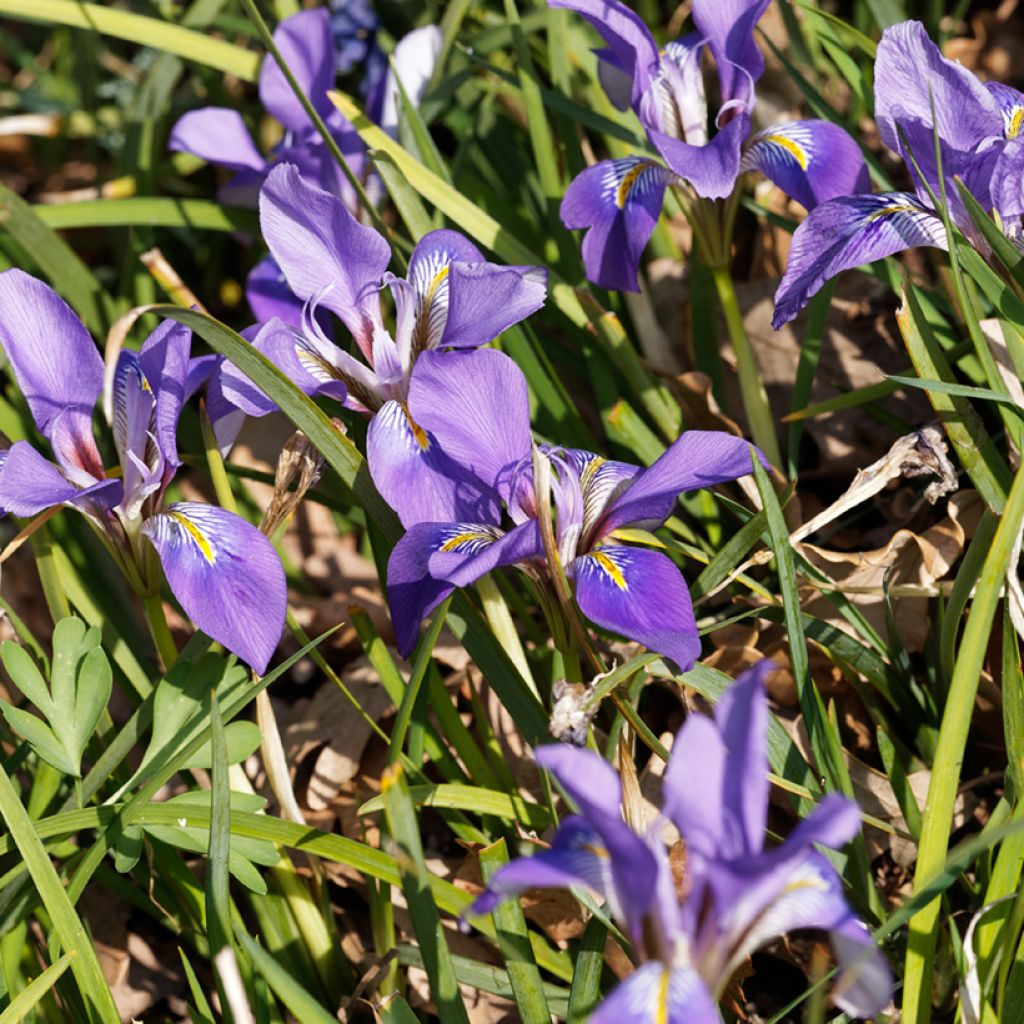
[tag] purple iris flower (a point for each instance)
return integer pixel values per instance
(736, 895)
(478, 507)
(223, 571)
(451, 298)
(619, 201)
(978, 127)
(220, 136)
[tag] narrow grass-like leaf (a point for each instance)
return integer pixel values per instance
(586, 979)
(513, 938)
(56, 259)
(67, 925)
(949, 753)
(218, 899)
(22, 1005)
(299, 1002)
(151, 211)
(404, 830)
(511, 807)
(199, 47)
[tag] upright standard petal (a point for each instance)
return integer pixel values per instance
(849, 232)
(811, 161)
(476, 404)
(219, 136)
(226, 576)
(631, 48)
(657, 994)
(728, 26)
(418, 479)
(307, 47)
(164, 359)
(712, 169)
(590, 781)
(618, 202)
(268, 295)
(324, 251)
(698, 458)
(412, 63)
(641, 595)
(55, 362)
(912, 78)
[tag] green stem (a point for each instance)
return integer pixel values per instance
(755, 398)
(937, 820)
(215, 461)
(159, 630)
(504, 628)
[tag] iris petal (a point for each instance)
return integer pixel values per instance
(225, 574)
(811, 161)
(657, 994)
(618, 202)
(848, 232)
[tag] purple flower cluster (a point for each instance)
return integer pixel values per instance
(735, 896)
(618, 202)
(920, 97)
(223, 571)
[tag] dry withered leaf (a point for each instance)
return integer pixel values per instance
(328, 729)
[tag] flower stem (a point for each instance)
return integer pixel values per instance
(159, 630)
(218, 474)
(500, 620)
(755, 398)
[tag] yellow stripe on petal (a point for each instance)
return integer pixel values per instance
(794, 149)
(661, 1007)
(627, 183)
(464, 538)
(417, 431)
(889, 211)
(195, 533)
(1016, 122)
(611, 569)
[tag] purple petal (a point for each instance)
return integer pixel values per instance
(676, 103)
(55, 362)
(642, 595)
(699, 812)
(1005, 193)
(711, 169)
(912, 76)
(848, 232)
(484, 299)
(698, 458)
(757, 899)
(418, 479)
(219, 136)
(619, 203)
(467, 555)
(226, 576)
(476, 404)
(630, 47)
(833, 823)
(589, 780)
(413, 593)
(323, 250)
(728, 26)
(577, 857)
(414, 59)
(741, 716)
(812, 161)
(281, 345)
(134, 403)
(269, 296)
(656, 994)
(164, 359)
(29, 483)
(864, 986)
(307, 47)
(1011, 106)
